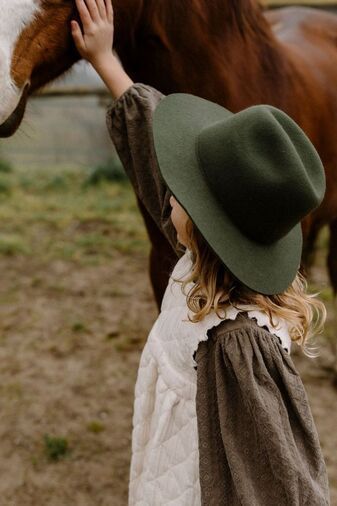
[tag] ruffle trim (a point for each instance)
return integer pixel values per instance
(198, 332)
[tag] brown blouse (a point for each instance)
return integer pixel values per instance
(258, 444)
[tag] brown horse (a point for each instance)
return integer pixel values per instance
(228, 51)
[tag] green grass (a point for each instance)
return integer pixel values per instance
(56, 214)
(12, 245)
(95, 427)
(55, 447)
(5, 167)
(112, 170)
(79, 327)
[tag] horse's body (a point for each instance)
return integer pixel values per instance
(227, 51)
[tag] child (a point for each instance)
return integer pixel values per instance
(221, 416)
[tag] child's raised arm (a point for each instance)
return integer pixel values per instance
(129, 118)
(95, 43)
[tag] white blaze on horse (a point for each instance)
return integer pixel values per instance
(35, 47)
(15, 15)
(228, 51)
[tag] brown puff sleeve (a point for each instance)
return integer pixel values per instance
(257, 440)
(129, 122)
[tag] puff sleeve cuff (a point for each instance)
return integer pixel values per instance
(257, 439)
(129, 122)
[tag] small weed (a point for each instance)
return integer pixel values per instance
(95, 427)
(127, 245)
(34, 461)
(55, 447)
(36, 282)
(25, 182)
(112, 335)
(326, 295)
(5, 167)
(12, 391)
(65, 251)
(112, 170)
(56, 183)
(93, 244)
(5, 187)
(12, 245)
(78, 327)
(128, 343)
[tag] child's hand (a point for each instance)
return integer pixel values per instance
(95, 44)
(96, 41)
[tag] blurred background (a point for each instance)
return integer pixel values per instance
(76, 306)
(64, 125)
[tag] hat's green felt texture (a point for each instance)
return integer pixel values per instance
(245, 179)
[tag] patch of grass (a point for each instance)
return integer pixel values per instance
(128, 343)
(55, 447)
(93, 243)
(326, 295)
(78, 327)
(114, 334)
(5, 187)
(57, 182)
(11, 391)
(111, 170)
(95, 427)
(63, 250)
(5, 167)
(36, 282)
(34, 461)
(49, 213)
(128, 245)
(12, 245)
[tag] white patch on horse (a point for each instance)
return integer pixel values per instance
(15, 15)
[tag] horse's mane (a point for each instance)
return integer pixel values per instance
(244, 16)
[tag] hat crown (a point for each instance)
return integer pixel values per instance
(246, 180)
(262, 169)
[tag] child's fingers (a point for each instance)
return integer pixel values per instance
(84, 14)
(109, 10)
(92, 8)
(77, 35)
(101, 8)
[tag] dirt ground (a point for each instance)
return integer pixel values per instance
(71, 334)
(72, 375)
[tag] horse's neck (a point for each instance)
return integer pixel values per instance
(198, 45)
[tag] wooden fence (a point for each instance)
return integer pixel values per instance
(62, 127)
(310, 3)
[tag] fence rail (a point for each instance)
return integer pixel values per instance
(312, 3)
(73, 91)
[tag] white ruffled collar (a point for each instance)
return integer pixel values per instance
(262, 319)
(174, 298)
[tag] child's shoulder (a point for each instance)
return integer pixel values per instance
(243, 345)
(247, 331)
(241, 322)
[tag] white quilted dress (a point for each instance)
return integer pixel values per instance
(165, 456)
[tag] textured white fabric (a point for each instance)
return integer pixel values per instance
(165, 456)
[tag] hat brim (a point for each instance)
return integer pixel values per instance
(178, 120)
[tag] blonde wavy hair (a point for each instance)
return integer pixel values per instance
(215, 288)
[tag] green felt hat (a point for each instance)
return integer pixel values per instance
(246, 180)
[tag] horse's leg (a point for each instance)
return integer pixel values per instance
(332, 256)
(332, 269)
(162, 256)
(310, 233)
